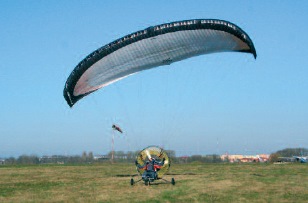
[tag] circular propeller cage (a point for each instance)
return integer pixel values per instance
(153, 152)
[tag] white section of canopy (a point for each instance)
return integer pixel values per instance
(155, 51)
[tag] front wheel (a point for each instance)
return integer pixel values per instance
(132, 181)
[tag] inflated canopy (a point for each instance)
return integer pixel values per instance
(155, 46)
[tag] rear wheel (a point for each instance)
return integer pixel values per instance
(172, 181)
(132, 181)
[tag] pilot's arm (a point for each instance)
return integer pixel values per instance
(160, 163)
(140, 166)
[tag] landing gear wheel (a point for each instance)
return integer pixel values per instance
(132, 181)
(172, 181)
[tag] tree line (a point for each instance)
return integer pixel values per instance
(89, 158)
(130, 156)
(288, 152)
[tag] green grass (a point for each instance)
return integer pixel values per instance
(194, 183)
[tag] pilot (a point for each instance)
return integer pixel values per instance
(151, 167)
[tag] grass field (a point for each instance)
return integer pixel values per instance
(194, 183)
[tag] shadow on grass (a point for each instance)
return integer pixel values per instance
(172, 174)
(126, 175)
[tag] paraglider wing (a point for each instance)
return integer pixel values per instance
(153, 47)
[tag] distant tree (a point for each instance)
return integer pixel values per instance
(171, 155)
(90, 156)
(195, 158)
(216, 158)
(84, 156)
(131, 156)
(120, 154)
(24, 159)
(207, 159)
(274, 157)
(74, 159)
(288, 152)
(10, 161)
(226, 159)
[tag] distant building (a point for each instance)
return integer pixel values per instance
(59, 159)
(2, 161)
(100, 157)
(245, 158)
(264, 157)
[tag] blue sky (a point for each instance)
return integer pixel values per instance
(226, 102)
